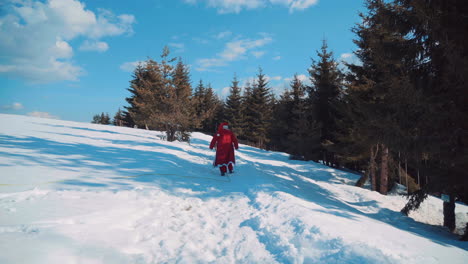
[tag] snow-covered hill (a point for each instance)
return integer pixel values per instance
(82, 193)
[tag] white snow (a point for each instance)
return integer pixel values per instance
(82, 193)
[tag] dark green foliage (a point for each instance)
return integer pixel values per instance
(299, 136)
(324, 95)
(449, 214)
(409, 94)
(465, 235)
(414, 201)
(160, 97)
(233, 108)
(258, 111)
(103, 119)
(119, 118)
(207, 108)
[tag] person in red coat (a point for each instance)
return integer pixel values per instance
(225, 141)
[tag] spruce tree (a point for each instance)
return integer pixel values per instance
(326, 88)
(161, 97)
(303, 135)
(281, 127)
(119, 118)
(248, 114)
(233, 108)
(183, 109)
(96, 119)
(198, 105)
(213, 108)
(260, 111)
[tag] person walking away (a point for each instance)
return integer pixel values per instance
(225, 141)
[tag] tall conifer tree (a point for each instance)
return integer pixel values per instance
(233, 107)
(326, 90)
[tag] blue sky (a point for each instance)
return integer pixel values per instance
(71, 59)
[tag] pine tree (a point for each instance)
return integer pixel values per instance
(326, 88)
(147, 92)
(96, 119)
(438, 31)
(207, 108)
(213, 109)
(198, 105)
(248, 114)
(260, 111)
(161, 97)
(119, 118)
(281, 127)
(102, 118)
(184, 112)
(378, 93)
(303, 135)
(233, 108)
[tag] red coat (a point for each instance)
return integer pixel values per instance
(225, 142)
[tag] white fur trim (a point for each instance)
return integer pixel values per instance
(225, 164)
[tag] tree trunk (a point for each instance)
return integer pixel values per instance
(362, 180)
(384, 171)
(449, 213)
(465, 236)
(372, 168)
(399, 171)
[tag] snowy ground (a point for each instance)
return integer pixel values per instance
(82, 193)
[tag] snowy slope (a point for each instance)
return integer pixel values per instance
(82, 193)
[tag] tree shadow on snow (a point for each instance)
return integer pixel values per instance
(125, 165)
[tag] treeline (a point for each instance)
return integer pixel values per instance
(400, 115)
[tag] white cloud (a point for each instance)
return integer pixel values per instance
(233, 51)
(298, 4)
(230, 6)
(277, 58)
(177, 47)
(130, 66)
(225, 92)
(14, 106)
(286, 84)
(276, 78)
(223, 34)
(303, 78)
(43, 115)
(350, 58)
(99, 46)
(36, 37)
(236, 6)
(258, 54)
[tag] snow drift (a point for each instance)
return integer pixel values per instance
(82, 193)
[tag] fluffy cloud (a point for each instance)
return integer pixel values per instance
(277, 58)
(236, 6)
(14, 106)
(35, 37)
(43, 115)
(233, 51)
(130, 66)
(225, 92)
(349, 58)
(99, 46)
(230, 6)
(223, 34)
(258, 54)
(177, 47)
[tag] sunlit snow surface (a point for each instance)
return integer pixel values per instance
(82, 193)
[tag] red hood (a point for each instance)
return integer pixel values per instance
(220, 127)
